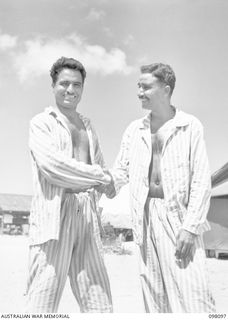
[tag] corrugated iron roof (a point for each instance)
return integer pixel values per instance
(15, 202)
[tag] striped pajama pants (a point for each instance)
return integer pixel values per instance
(169, 285)
(77, 253)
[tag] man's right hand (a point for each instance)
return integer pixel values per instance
(108, 190)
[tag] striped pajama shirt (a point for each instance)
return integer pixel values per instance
(64, 233)
(186, 182)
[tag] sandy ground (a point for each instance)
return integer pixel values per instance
(122, 271)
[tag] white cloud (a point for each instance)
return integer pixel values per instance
(7, 41)
(95, 15)
(39, 54)
(143, 60)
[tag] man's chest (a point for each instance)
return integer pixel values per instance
(80, 142)
(73, 139)
(79, 136)
(172, 149)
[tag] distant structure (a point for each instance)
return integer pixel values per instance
(220, 176)
(14, 213)
(216, 240)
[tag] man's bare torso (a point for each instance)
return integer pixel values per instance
(80, 140)
(155, 179)
(156, 189)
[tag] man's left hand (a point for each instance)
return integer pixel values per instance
(109, 190)
(184, 245)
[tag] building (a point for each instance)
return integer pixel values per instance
(14, 213)
(220, 176)
(216, 240)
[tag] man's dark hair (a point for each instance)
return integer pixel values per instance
(163, 72)
(68, 63)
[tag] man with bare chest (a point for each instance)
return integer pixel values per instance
(80, 141)
(164, 159)
(155, 188)
(67, 164)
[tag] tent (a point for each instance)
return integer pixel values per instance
(220, 176)
(116, 211)
(216, 240)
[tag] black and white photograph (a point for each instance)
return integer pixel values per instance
(114, 158)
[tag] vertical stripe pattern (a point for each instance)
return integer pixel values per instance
(77, 253)
(185, 172)
(54, 170)
(169, 285)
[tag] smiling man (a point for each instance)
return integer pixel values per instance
(163, 157)
(67, 164)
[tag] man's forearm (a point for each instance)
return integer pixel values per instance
(59, 169)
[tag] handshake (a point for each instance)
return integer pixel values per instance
(108, 189)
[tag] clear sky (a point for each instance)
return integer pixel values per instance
(112, 38)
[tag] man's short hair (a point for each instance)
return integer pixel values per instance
(69, 63)
(163, 72)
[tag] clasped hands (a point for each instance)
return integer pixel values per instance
(184, 245)
(108, 189)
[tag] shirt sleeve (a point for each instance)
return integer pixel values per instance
(200, 182)
(98, 156)
(120, 170)
(56, 167)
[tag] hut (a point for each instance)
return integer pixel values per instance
(14, 213)
(216, 240)
(115, 214)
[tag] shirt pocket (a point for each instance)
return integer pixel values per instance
(177, 174)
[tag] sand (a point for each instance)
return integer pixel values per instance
(122, 270)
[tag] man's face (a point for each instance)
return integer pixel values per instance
(151, 91)
(68, 89)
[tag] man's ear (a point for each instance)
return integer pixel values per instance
(167, 90)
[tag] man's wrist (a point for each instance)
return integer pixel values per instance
(107, 172)
(189, 232)
(108, 178)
